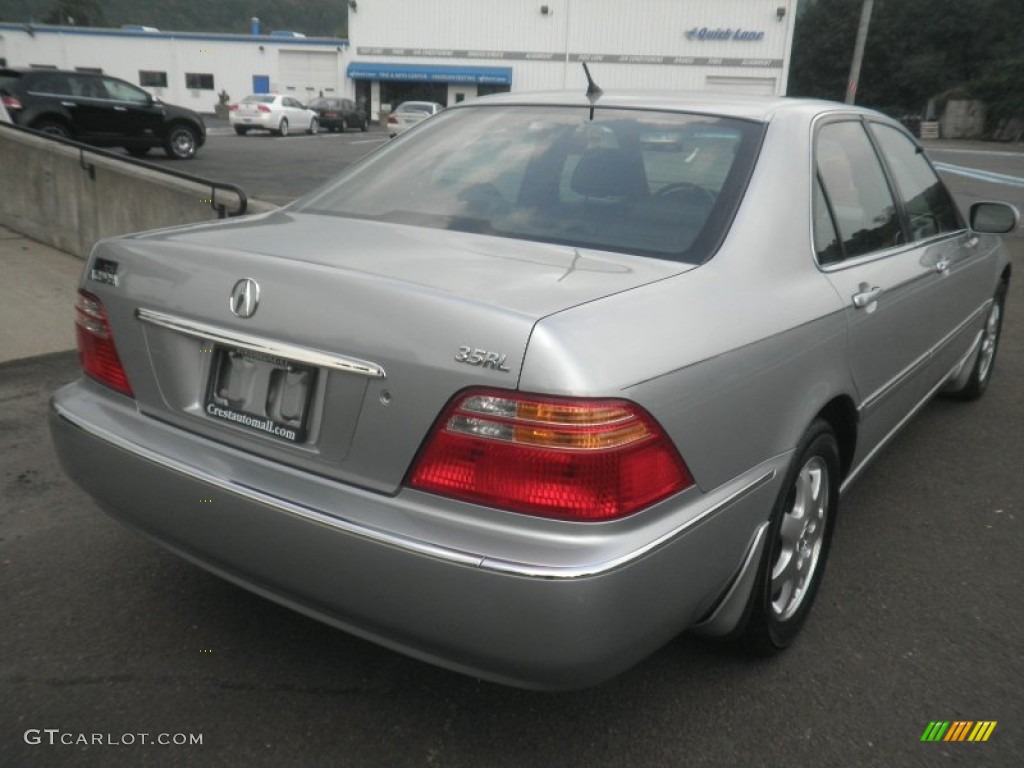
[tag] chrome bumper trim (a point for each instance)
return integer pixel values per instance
(408, 544)
(259, 344)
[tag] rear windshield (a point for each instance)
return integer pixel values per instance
(650, 183)
(414, 108)
(258, 100)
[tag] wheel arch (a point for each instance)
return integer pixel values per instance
(841, 414)
(52, 117)
(182, 122)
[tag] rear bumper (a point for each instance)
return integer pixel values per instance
(520, 622)
(265, 122)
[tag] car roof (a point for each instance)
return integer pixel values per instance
(743, 106)
(48, 70)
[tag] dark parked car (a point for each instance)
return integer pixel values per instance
(338, 114)
(101, 110)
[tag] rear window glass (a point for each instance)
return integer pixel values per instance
(650, 183)
(259, 99)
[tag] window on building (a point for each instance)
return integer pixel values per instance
(199, 81)
(152, 79)
(93, 70)
(42, 66)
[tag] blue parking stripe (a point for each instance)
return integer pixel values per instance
(974, 173)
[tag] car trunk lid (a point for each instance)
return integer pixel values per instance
(415, 314)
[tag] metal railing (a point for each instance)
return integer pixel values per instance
(219, 207)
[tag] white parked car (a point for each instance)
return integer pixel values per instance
(272, 112)
(409, 113)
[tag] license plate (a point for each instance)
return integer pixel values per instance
(248, 119)
(261, 393)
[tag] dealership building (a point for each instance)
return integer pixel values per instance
(442, 50)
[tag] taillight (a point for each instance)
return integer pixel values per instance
(234, 107)
(262, 108)
(569, 458)
(392, 120)
(96, 351)
(10, 102)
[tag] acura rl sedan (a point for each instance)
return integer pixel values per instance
(561, 395)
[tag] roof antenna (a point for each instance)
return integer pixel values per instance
(593, 89)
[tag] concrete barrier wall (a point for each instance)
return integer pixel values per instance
(46, 194)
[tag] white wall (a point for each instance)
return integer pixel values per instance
(484, 33)
(497, 32)
(232, 59)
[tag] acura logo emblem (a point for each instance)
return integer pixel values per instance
(245, 297)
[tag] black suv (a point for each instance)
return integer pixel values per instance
(100, 110)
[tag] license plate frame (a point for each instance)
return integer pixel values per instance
(261, 394)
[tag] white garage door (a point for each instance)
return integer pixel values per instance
(305, 74)
(762, 86)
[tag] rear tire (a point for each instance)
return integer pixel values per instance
(797, 545)
(362, 127)
(241, 130)
(985, 361)
(314, 126)
(282, 128)
(53, 128)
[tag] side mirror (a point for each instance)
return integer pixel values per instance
(994, 218)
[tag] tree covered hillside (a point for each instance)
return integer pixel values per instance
(328, 18)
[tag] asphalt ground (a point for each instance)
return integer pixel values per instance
(919, 618)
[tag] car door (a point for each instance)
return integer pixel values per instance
(94, 111)
(963, 281)
(135, 114)
(885, 284)
(298, 115)
(50, 94)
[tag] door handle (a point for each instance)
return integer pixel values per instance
(942, 265)
(120, 109)
(68, 104)
(866, 295)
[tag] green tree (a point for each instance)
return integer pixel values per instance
(81, 13)
(916, 50)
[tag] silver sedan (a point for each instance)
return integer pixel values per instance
(561, 395)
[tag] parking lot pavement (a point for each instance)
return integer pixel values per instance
(36, 297)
